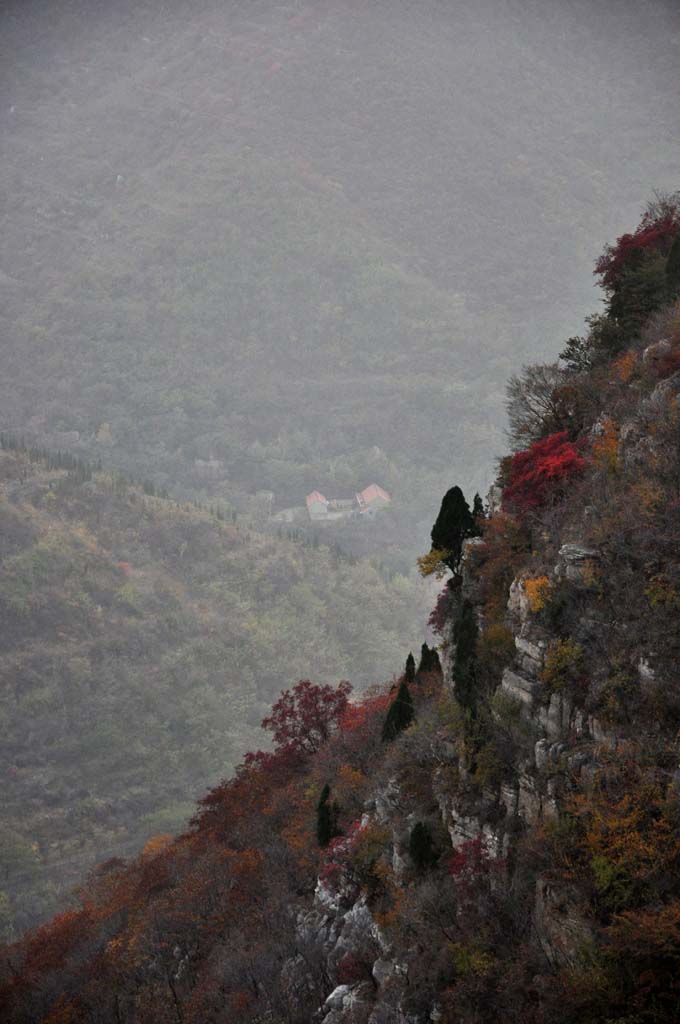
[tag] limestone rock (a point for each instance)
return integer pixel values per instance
(516, 686)
(573, 561)
(518, 602)
(560, 921)
(657, 351)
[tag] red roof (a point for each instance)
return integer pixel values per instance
(372, 492)
(315, 496)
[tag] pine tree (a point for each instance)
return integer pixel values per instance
(399, 715)
(454, 523)
(420, 846)
(326, 818)
(410, 669)
(465, 634)
(673, 270)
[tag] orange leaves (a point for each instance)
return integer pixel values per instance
(51, 944)
(538, 591)
(628, 833)
(623, 367)
(156, 844)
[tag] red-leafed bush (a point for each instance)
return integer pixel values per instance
(542, 471)
(442, 611)
(356, 716)
(654, 234)
(304, 718)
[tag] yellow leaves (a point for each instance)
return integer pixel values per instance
(563, 664)
(538, 592)
(469, 960)
(606, 447)
(433, 563)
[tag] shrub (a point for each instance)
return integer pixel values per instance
(543, 472)
(563, 668)
(538, 591)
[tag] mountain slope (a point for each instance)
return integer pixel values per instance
(285, 235)
(512, 854)
(142, 642)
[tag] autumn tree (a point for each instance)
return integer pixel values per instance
(304, 718)
(533, 403)
(542, 471)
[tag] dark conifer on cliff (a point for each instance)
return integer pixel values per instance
(465, 633)
(326, 818)
(673, 270)
(454, 523)
(400, 714)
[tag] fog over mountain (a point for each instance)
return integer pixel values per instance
(306, 238)
(252, 249)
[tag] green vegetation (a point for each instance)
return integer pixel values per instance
(142, 643)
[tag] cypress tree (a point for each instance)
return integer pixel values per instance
(454, 523)
(429, 661)
(424, 661)
(477, 514)
(465, 633)
(420, 846)
(326, 818)
(410, 669)
(400, 714)
(673, 269)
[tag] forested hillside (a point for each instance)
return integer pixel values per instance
(142, 641)
(494, 840)
(310, 241)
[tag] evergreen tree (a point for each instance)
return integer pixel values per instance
(477, 515)
(465, 634)
(429, 661)
(410, 669)
(454, 523)
(420, 846)
(326, 818)
(673, 270)
(399, 715)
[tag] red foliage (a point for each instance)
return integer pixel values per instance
(542, 471)
(333, 862)
(654, 234)
(357, 715)
(304, 718)
(468, 859)
(441, 611)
